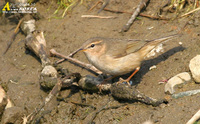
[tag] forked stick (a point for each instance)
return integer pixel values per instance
(13, 37)
(70, 55)
(87, 66)
(141, 5)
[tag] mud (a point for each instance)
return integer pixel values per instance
(20, 68)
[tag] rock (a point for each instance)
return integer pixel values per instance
(94, 84)
(48, 78)
(49, 71)
(148, 122)
(9, 104)
(90, 83)
(195, 68)
(12, 115)
(3, 100)
(187, 93)
(179, 79)
(152, 67)
(28, 26)
(48, 82)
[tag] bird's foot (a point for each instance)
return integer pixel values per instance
(121, 80)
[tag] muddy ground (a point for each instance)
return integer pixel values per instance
(67, 34)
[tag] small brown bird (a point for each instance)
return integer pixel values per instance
(118, 56)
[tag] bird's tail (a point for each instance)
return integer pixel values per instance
(153, 43)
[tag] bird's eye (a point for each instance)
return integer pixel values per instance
(92, 45)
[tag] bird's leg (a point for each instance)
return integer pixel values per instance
(107, 79)
(136, 70)
(129, 78)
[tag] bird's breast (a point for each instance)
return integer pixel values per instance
(115, 66)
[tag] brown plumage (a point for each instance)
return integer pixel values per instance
(118, 56)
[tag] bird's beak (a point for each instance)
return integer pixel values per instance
(81, 49)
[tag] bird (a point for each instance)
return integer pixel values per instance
(119, 56)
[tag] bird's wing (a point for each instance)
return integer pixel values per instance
(134, 45)
(123, 49)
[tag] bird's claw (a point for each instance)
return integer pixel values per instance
(121, 80)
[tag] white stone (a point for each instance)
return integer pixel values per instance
(181, 78)
(152, 67)
(2, 94)
(9, 104)
(148, 122)
(3, 100)
(28, 26)
(195, 68)
(49, 71)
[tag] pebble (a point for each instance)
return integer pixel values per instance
(152, 67)
(148, 122)
(90, 83)
(28, 26)
(194, 66)
(13, 115)
(48, 77)
(3, 100)
(150, 28)
(9, 104)
(179, 79)
(187, 93)
(49, 71)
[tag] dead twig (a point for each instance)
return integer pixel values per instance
(13, 36)
(141, 14)
(73, 53)
(59, 85)
(194, 118)
(190, 12)
(116, 11)
(123, 92)
(118, 91)
(141, 5)
(93, 84)
(103, 6)
(95, 16)
(114, 107)
(153, 17)
(83, 104)
(82, 64)
(36, 43)
(97, 112)
(104, 108)
(100, 1)
(189, 2)
(53, 92)
(70, 55)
